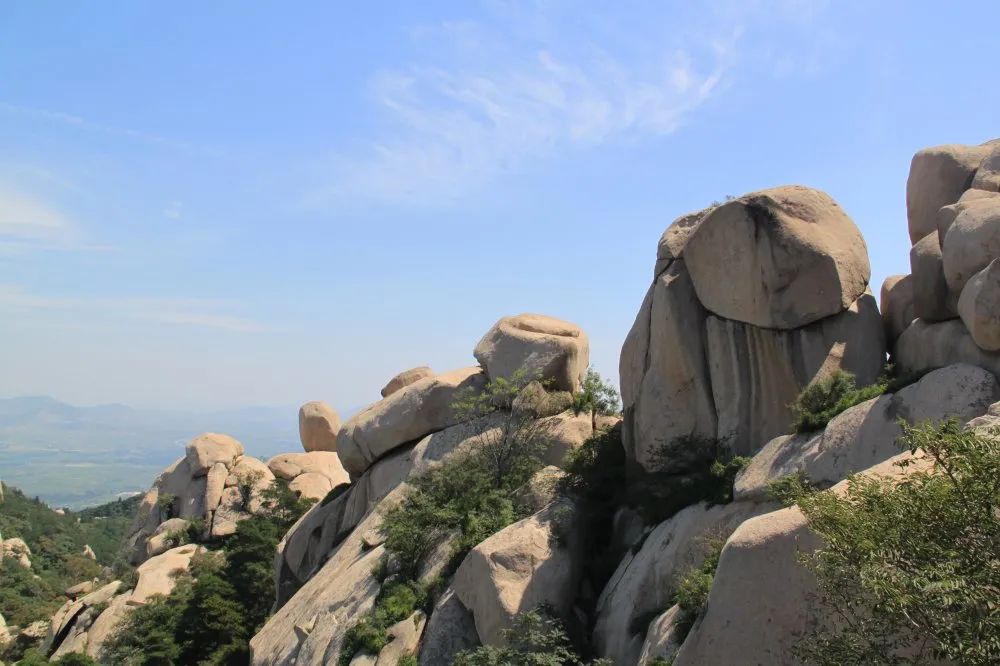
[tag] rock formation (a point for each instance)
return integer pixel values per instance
(753, 300)
(318, 426)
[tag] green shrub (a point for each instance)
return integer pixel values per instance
(658, 496)
(596, 396)
(912, 567)
(396, 602)
(408, 660)
(535, 639)
(693, 589)
(819, 402)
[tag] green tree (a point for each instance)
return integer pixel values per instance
(535, 639)
(596, 396)
(910, 569)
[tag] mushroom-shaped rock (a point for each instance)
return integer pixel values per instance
(979, 307)
(988, 174)
(318, 426)
(938, 177)
(932, 299)
(543, 347)
(405, 416)
(778, 258)
(158, 575)
(519, 568)
(405, 378)
(972, 242)
(897, 306)
(209, 448)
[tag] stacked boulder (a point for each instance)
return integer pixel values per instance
(948, 308)
(751, 301)
(215, 483)
(324, 567)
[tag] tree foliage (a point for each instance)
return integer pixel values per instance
(535, 639)
(596, 396)
(910, 571)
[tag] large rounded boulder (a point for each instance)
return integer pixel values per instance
(938, 177)
(972, 242)
(779, 258)
(543, 347)
(318, 426)
(979, 307)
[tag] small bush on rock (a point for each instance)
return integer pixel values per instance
(912, 567)
(693, 589)
(596, 396)
(819, 402)
(536, 639)
(397, 601)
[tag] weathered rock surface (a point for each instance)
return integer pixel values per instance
(68, 628)
(665, 385)
(779, 258)
(865, 435)
(972, 242)
(405, 378)
(318, 426)
(311, 475)
(405, 416)
(897, 306)
(663, 638)
(450, 630)
(210, 448)
(16, 549)
(158, 575)
(646, 580)
(543, 347)
(988, 174)
(979, 307)
(519, 568)
(932, 300)
(675, 237)
(757, 373)
(925, 346)
(938, 177)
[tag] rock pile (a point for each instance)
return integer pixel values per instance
(751, 301)
(947, 310)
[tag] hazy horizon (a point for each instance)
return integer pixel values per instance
(191, 218)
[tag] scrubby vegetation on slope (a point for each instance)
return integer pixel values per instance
(216, 608)
(57, 560)
(912, 567)
(536, 639)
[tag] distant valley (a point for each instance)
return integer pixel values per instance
(80, 456)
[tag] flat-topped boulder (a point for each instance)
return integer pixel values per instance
(778, 258)
(543, 347)
(405, 378)
(404, 417)
(318, 426)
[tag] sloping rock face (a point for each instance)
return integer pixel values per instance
(646, 580)
(866, 434)
(755, 299)
(522, 567)
(543, 347)
(404, 417)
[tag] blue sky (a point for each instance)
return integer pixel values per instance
(230, 203)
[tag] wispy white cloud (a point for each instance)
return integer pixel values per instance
(499, 99)
(25, 217)
(202, 313)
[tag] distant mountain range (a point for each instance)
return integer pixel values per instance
(80, 456)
